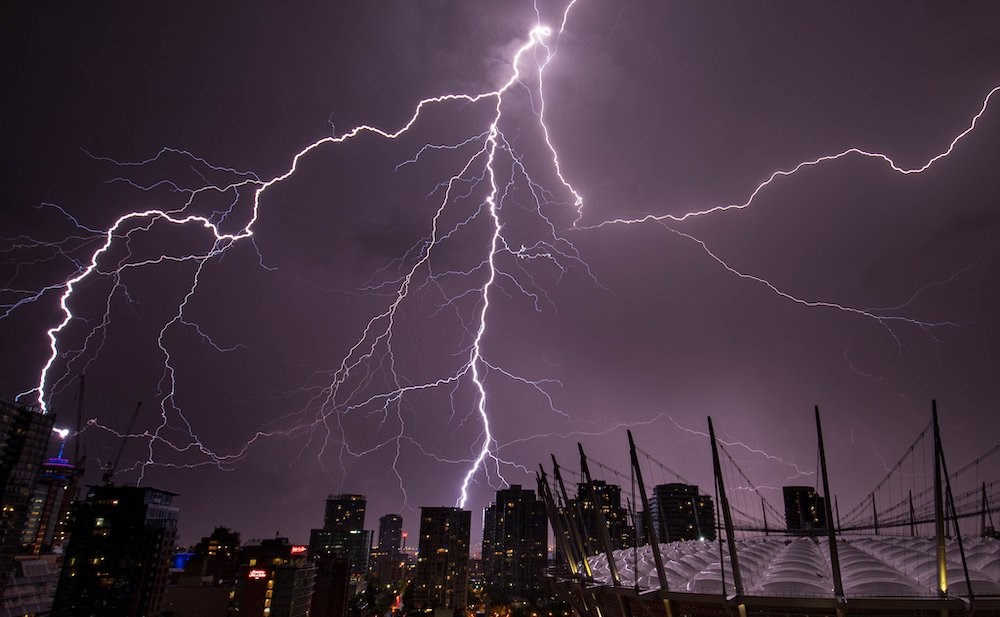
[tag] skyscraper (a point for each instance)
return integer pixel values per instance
(47, 523)
(275, 579)
(344, 512)
(390, 533)
(679, 513)
(804, 508)
(24, 441)
(118, 556)
(443, 559)
(216, 556)
(387, 561)
(515, 543)
(615, 516)
(342, 534)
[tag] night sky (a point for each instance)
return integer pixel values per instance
(655, 108)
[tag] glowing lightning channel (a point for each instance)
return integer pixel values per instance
(378, 331)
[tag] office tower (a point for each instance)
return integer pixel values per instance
(24, 441)
(639, 527)
(515, 543)
(206, 588)
(679, 513)
(442, 559)
(117, 559)
(332, 588)
(275, 580)
(387, 562)
(390, 533)
(216, 557)
(804, 508)
(344, 512)
(615, 516)
(342, 533)
(47, 524)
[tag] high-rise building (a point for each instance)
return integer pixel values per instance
(615, 516)
(24, 442)
(332, 589)
(679, 513)
(343, 532)
(47, 524)
(443, 559)
(390, 533)
(117, 559)
(387, 562)
(275, 580)
(216, 557)
(805, 509)
(344, 512)
(515, 543)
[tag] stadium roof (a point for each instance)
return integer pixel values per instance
(782, 566)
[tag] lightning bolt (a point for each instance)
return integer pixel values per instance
(494, 165)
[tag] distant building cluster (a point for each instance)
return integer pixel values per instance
(110, 550)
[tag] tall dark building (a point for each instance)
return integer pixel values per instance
(342, 534)
(679, 513)
(119, 551)
(615, 516)
(275, 579)
(344, 512)
(390, 533)
(805, 509)
(216, 556)
(332, 589)
(387, 561)
(24, 442)
(515, 543)
(47, 524)
(443, 559)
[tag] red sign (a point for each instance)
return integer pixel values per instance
(257, 574)
(298, 549)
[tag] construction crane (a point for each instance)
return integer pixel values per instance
(109, 472)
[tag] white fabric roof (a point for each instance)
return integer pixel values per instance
(871, 566)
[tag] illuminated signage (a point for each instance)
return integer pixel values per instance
(298, 549)
(257, 574)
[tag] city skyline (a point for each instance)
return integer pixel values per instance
(653, 110)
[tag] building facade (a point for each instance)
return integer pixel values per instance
(442, 569)
(805, 509)
(515, 544)
(47, 525)
(680, 512)
(387, 562)
(216, 557)
(275, 579)
(343, 533)
(117, 559)
(24, 441)
(615, 516)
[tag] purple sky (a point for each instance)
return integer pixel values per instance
(654, 108)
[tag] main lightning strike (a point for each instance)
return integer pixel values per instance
(378, 332)
(332, 403)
